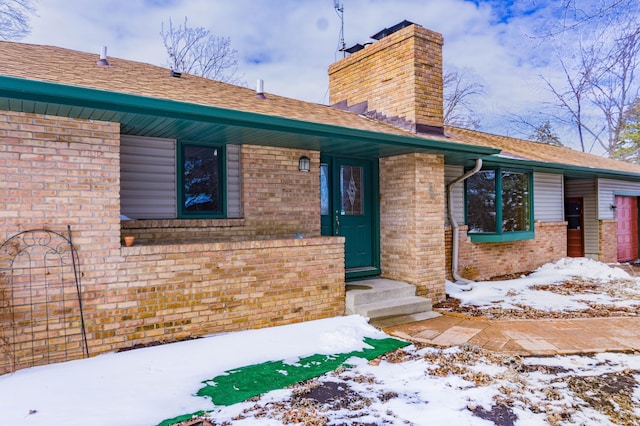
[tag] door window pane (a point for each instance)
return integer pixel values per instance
(324, 189)
(200, 179)
(573, 214)
(351, 190)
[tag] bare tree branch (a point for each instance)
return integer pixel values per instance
(575, 14)
(599, 72)
(196, 51)
(14, 18)
(458, 92)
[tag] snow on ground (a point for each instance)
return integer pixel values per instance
(146, 386)
(414, 385)
(522, 293)
(457, 386)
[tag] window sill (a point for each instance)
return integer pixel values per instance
(501, 238)
(180, 223)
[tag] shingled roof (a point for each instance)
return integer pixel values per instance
(518, 149)
(74, 68)
(78, 69)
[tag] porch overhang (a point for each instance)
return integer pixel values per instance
(166, 118)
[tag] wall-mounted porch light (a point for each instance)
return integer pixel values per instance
(613, 207)
(304, 164)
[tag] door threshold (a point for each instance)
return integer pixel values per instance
(354, 274)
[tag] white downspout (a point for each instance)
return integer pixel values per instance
(454, 225)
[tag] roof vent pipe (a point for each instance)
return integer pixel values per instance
(260, 89)
(103, 58)
(455, 231)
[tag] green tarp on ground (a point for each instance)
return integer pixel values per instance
(243, 383)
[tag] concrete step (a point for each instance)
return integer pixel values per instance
(403, 319)
(377, 290)
(394, 307)
(387, 302)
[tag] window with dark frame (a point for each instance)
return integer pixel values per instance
(200, 180)
(490, 213)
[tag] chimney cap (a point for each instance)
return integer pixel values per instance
(353, 49)
(388, 31)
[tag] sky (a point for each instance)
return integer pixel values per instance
(146, 386)
(290, 43)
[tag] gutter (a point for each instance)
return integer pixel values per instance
(455, 229)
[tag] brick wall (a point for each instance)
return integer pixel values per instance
(58, 172)
(399, 75)
(481, 261)
(166, 292)
(278, 200)
(412, 222)
(608, 240)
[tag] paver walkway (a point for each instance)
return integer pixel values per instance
(526, 337)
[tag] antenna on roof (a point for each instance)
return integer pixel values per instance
(340, 11)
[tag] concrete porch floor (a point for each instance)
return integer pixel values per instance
(526, 337)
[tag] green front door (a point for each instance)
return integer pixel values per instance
(349, 209)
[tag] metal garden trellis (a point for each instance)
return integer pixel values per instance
(41, 315)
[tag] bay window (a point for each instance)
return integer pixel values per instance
(499, 205)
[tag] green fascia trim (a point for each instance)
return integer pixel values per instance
(501, 238)
(561, 168)
(20, 88)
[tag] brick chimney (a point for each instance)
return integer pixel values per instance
(397, 79)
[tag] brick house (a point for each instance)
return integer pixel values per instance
(251, 210)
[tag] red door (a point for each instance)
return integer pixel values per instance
(573, 214)
(627, 216)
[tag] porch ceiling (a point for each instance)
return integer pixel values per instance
(163, 118)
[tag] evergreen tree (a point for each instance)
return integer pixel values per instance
(628, 148)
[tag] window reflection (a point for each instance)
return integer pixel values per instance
(200, 179)
(512, 208)
(324, 189)
(481, 201)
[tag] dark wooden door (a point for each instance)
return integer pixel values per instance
(347, 188)
(627, 217)
(574, 215)
(353, 213)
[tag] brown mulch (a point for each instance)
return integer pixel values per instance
(314, 401)
(576, 285)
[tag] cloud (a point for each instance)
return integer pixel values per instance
(290, 43)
